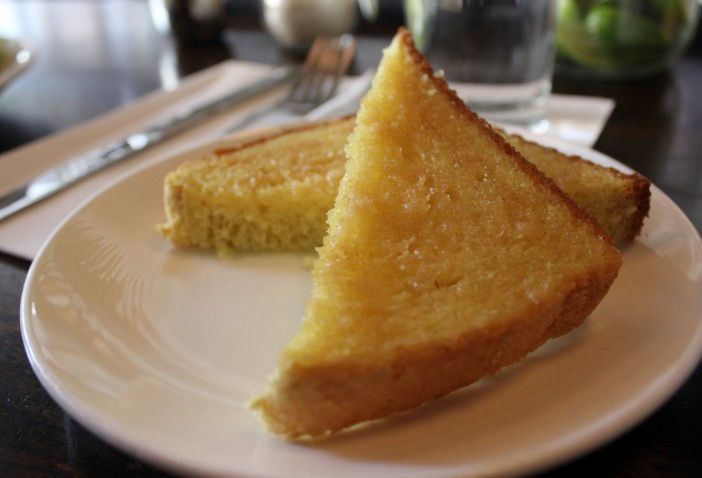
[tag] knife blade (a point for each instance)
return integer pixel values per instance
(78, 167)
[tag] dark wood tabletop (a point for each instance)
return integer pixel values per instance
(95, 56)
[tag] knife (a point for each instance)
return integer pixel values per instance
(78, 167)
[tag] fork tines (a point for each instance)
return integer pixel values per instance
(328, 59)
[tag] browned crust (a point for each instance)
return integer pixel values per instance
(313, 402)
(639, 192)
(268, 135)
(523, 164)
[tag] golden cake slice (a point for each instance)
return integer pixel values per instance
(618, 202)
(271, 193)
(274, 193)
(447, 257)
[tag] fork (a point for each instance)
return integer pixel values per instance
(318, 79)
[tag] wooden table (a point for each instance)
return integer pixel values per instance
(96, 56)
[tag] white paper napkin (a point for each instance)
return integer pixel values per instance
(577, 119)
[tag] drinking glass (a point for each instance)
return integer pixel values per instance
(191, 22)
(498, 54)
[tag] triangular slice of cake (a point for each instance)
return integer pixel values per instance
(447, 257)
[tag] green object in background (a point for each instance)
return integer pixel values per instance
(601, 22)
(623, 38)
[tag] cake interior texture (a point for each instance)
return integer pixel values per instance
(447, 257)
(262, 195)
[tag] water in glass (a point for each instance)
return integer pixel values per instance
(499, 53)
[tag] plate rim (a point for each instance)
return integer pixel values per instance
(598, 434)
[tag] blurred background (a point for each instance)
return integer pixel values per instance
(123, 48)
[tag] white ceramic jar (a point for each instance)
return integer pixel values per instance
(295, 23)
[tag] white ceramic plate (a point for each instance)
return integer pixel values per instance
(158, 350)
(14, 59)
